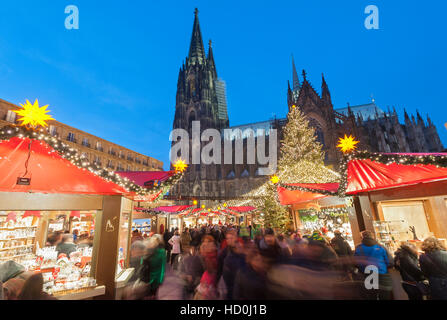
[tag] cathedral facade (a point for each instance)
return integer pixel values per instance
(201, 97)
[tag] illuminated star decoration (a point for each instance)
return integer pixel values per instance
(33, 115)
(180, 165)
(347, 144)
(274, 179)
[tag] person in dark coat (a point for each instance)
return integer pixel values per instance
(369, 252)
(270, 248)
(234, 261)
(166, 236)
(344, 253)
(191, 270)
(406, 261)
(33, 289)
(434, 266)
(251, 280)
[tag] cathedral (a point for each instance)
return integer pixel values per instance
(201, 97)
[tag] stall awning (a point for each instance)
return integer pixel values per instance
(49, 172)
(366, 175)
(142, 177)
(288, 197)
(172, 209)
(242, 208)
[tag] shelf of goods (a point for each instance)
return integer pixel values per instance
(64, 277)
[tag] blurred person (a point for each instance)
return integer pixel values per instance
(407, 263)
(54, 239)
(33, 289)
(269, 248)
(12, 288)
(282, 242)
(344, 253)
(185, 241)
(84, 241)
(155, 263)
(370, 252)
(137, 251)
(75, 235)
(207, 288)
(233, 262)
(136, 236)
(176, 250)
(166, 237)
(66, 246)
(251, 280)
(191, 270)
(434, 266)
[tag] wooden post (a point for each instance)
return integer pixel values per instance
(107, 245)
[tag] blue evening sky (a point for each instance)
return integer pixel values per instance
(116, 76)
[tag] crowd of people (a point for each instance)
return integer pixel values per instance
(260, 264)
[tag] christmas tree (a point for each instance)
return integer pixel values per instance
(301, 161)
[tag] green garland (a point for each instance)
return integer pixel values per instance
(81, 162)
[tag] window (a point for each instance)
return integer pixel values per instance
(112, 151)
(121, 154)
(137, 160)
(231, 175)
(129, 157)
(85, 142)
(110, 164)
(53, 131)
(99, 146)
(71, 137)
(97, 161)
(129, 168)
(120, 167)
(245, 173)
(11, 116)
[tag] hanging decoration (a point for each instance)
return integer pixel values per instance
(180, 165)
(274, 179)
(347, 144)
(33, 116)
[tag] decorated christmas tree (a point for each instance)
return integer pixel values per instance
(301, 161)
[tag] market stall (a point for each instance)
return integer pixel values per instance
(401, 197)
(48, 190)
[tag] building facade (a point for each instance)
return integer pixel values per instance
(201, 97)
(99, 151)
(377, 130)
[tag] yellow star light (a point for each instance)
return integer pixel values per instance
(194, 202)
(180, 165)
(274, 179)
(294, 106)
(33, 115)
(347, 144)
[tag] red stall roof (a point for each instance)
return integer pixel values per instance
(366, 175)
(172, 208)
(141, 177)
(49, 172)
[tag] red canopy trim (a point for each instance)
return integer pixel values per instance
(242, 208)
(321, 188)
(142, 177)
(289, 197)
(172, 208)
(75, 214)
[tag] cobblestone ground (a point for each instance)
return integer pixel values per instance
(171, 289)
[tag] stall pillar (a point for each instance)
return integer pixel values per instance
(107, 244)
(365, 213)
(354, 225)
(436, 211)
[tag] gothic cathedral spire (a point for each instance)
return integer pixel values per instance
(196, 48)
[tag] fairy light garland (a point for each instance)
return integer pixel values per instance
(70, 154)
